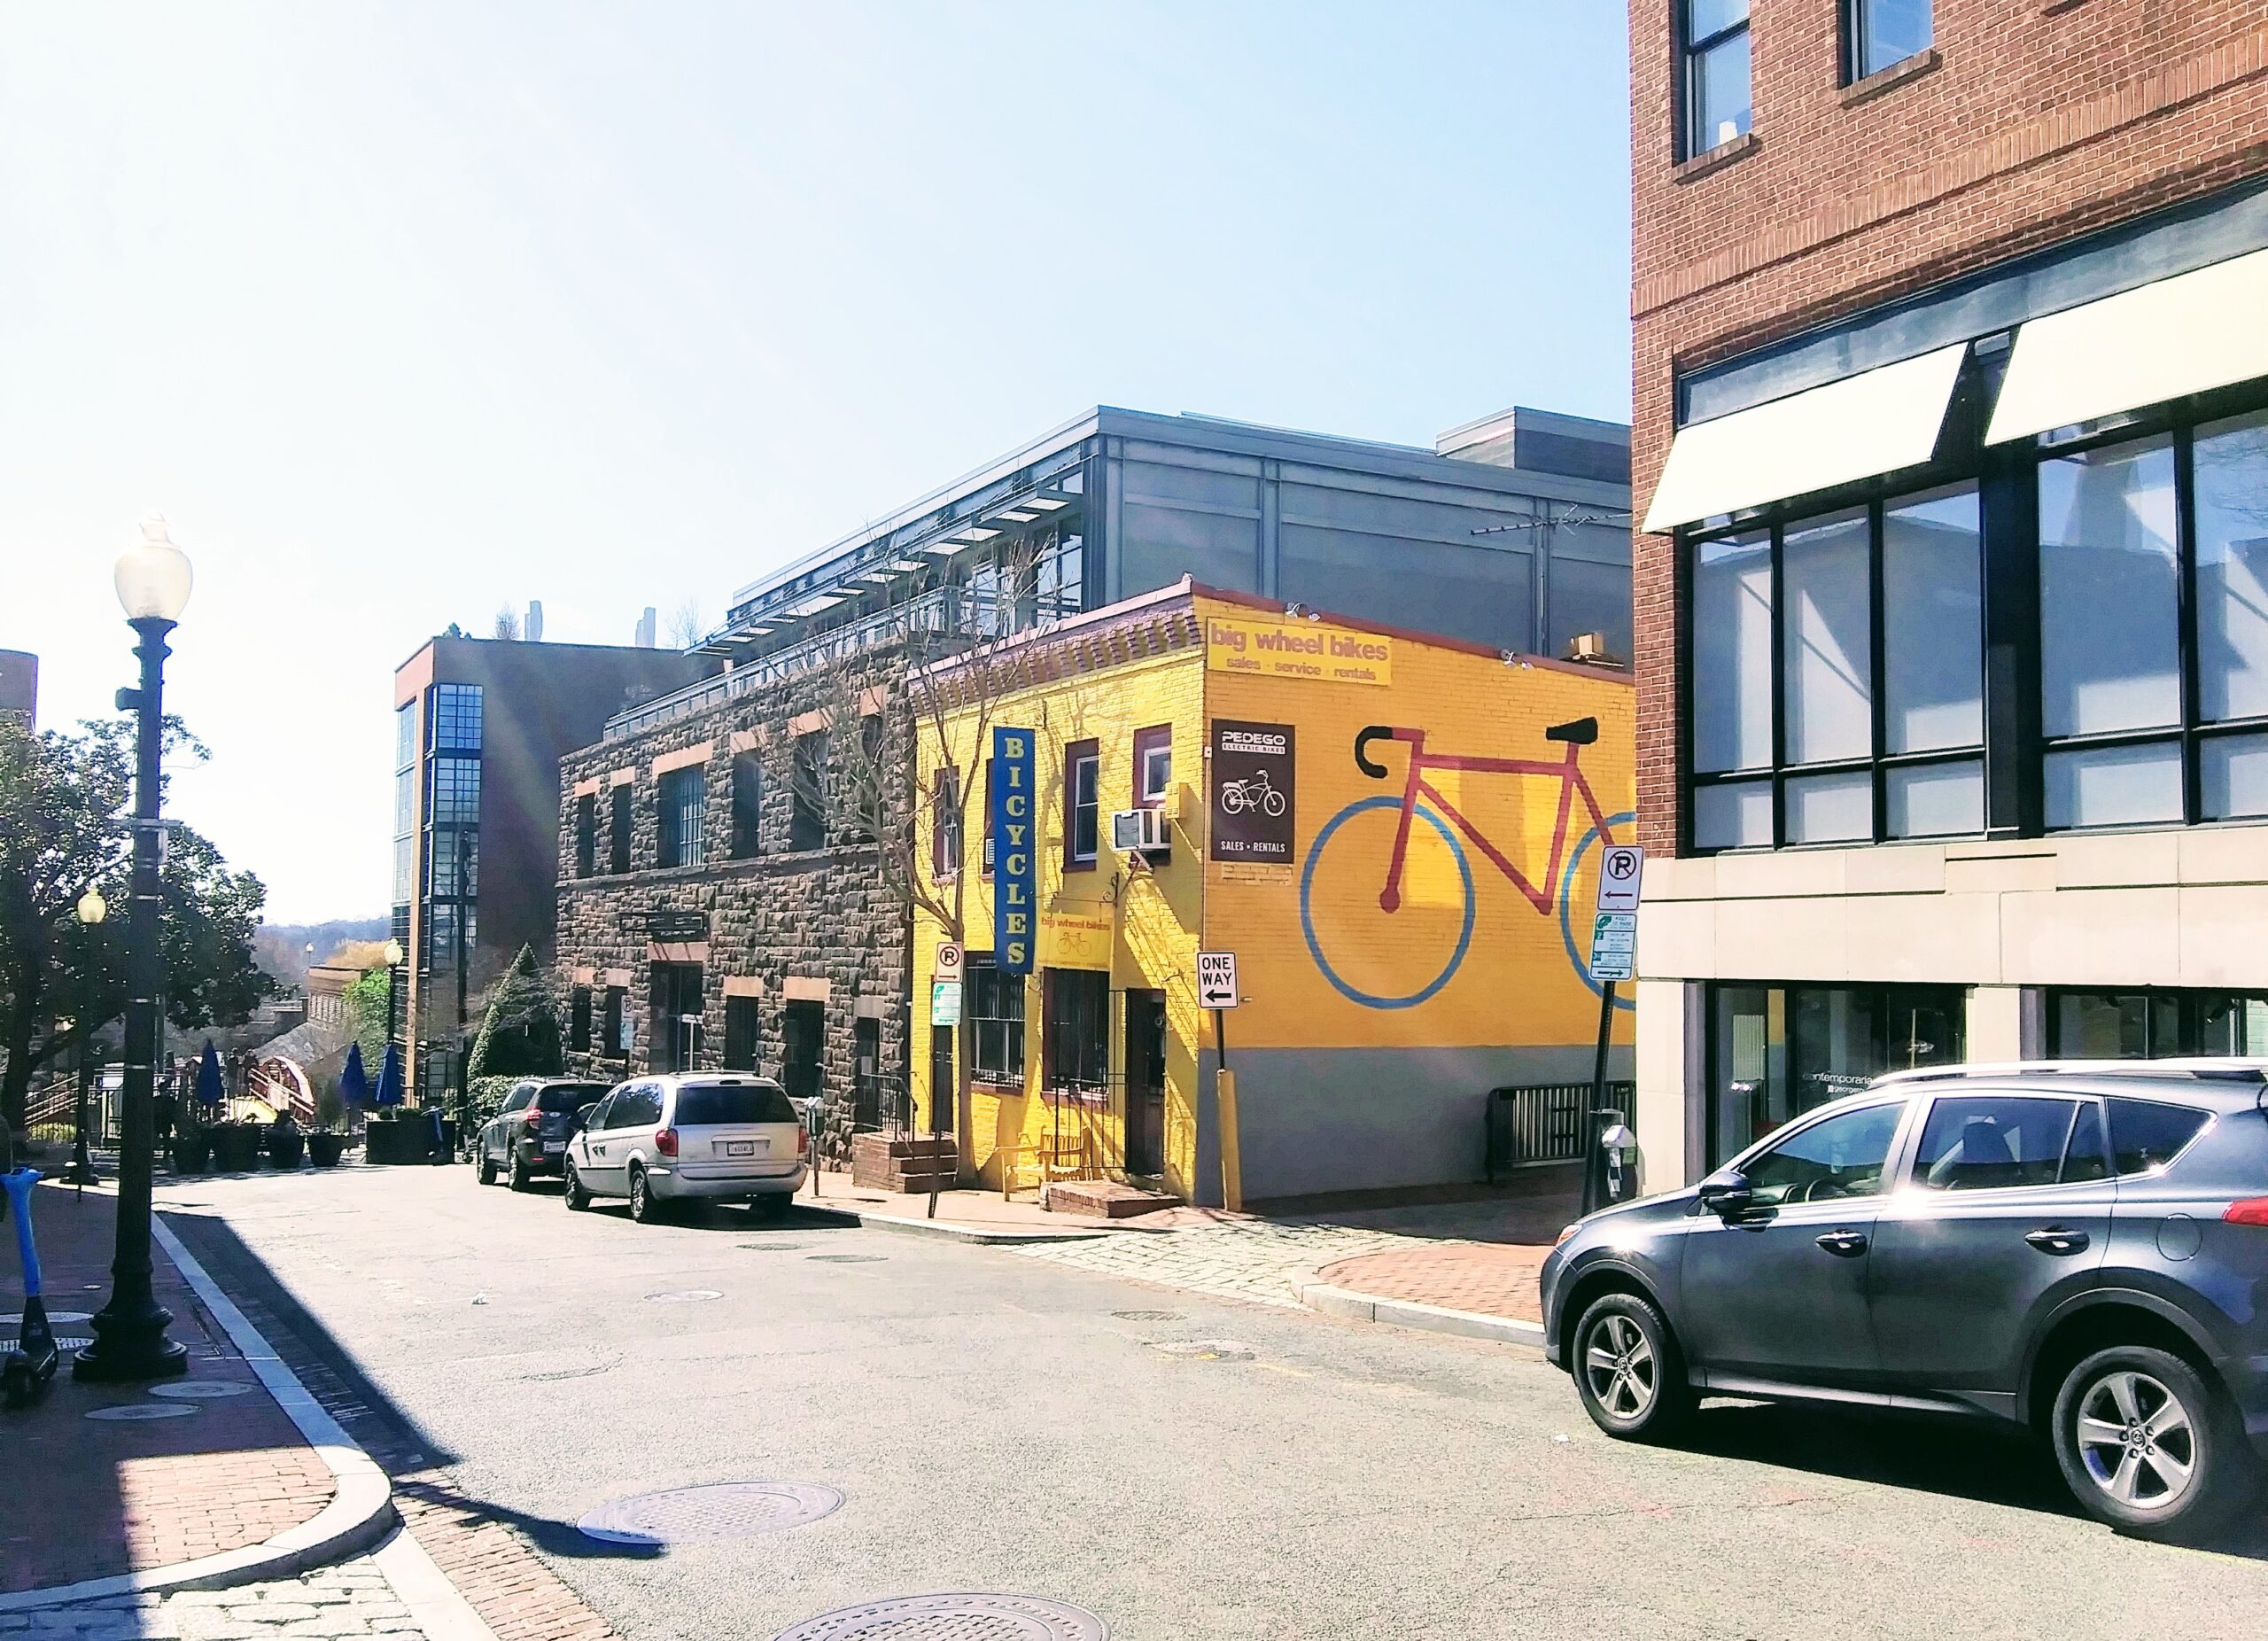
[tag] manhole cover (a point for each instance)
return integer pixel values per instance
(1147, 1316)
(850, 1259)
(145, 1409)
(773, 1247)
(684, 1296)
(61, 1343)
(689, 1515)
(1205, 1349)
(952, 1618)
(202, 1390)
(55, 1318)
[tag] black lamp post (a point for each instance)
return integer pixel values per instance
(130, 1342)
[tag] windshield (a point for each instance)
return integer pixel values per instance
(700, 1105)
(572, 1097)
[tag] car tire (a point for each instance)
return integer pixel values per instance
(1629, 1370)
(770, 1209)
(518, 1177)
(577, 1198)
(645, 1207)
(2148, 1445)
(487, 1175)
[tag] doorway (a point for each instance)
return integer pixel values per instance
(866, 1074)
(1146, 1083)
(802, 1025)
(675, 1042)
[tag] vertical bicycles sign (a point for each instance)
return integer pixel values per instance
(1016, 876)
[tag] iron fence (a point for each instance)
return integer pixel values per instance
(1545, 1122)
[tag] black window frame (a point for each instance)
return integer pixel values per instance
(622, 817)
(586, 834)
(746, 840)
(579, 1020)
(945, 824)
(681, 798)
(743, 1032)
(2180, 1010)
(1082, 805)
(1691, 52)
(996, 1023)
(615, 1010)
(807, 794)
(1075, 1033)
(1856, 64)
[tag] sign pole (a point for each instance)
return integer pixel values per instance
(1224, 1097)
(1591, 1118)
(1614, 957)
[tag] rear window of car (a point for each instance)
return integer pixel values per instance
(2145, 1134)
(703, 1105)
(555, 1101)
(516, 1102)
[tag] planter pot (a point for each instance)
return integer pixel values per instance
(285, 1148)
(236, 1149)
(192, 1154)
(324, 1150)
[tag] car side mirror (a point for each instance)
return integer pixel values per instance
(1727, 1194)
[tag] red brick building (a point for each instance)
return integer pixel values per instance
(1951, 366)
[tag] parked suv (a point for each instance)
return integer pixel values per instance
(2078, 1248)
(662, 1139)
(528, 1134)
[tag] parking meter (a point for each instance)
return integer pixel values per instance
(1621, 1147)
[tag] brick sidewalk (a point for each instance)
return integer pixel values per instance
(123, 1496)
(1491, 1278)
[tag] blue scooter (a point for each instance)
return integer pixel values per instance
(24, 1374)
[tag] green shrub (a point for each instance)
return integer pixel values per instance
(520, 1035)
(483, 1098)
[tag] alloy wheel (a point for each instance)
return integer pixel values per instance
(1618, 1366)
(2136, 1440)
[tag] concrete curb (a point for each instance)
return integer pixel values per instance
(1317, 1294)
(974, 1236)
(359, 1514)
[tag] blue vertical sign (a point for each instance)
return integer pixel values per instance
(1015, 877)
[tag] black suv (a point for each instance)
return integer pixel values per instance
(2081, 1248)
(528, 1135)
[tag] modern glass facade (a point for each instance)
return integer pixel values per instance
(448, 911)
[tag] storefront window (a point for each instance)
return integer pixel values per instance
(1777, 1052)
(2155, 1025)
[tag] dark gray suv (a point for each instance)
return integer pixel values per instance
(2079, 1248)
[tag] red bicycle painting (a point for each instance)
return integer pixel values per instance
(1423, 800)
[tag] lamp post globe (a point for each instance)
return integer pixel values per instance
(153, 578)
(92, 907)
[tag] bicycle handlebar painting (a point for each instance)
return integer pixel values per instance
(1427, 907)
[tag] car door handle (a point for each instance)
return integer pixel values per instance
(1848, 1244)
(2057, 1240)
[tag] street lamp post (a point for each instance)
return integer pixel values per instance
(130, 1343)
(92, 909)
(393, 956)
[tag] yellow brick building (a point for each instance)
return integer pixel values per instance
(1374, 822)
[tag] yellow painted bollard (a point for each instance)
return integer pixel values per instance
(1224, 1097)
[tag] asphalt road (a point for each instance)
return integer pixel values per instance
(999, 1422)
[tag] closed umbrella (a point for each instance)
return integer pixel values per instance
(390, 1078)
(210, 1091)
(354, 1082)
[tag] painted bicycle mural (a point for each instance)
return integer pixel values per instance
(1427, 910)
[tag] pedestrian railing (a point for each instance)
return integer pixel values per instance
(1547, 1122)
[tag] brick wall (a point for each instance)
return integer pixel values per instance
(2033, 122)
(810, 915)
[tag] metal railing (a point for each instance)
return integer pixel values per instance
(1546, 1121)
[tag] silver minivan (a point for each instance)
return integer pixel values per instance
(697, 1134)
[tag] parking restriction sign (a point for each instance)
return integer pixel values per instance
(1620, 869)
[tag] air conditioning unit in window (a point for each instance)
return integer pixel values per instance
(1139, 831)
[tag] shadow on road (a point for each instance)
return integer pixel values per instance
(1955, 1457)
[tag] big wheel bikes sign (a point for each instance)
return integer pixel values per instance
(1255, 781)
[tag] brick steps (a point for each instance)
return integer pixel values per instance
(905, 1163)
(1105, 1199)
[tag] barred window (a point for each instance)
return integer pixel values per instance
(683, 794)
(996, 1016)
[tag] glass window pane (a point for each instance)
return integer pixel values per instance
(1826, 809)
(2101, 1025)
(2108, 590)
(2145, 1134)
(1831, 1042)
(1840, 1157)
(2114, 785)
(1890, 31)
(1719, 93)
(1924, 1026)
(1936, 800)
(1933, 623)
(1829, 708)
(2231, 486)
(2232, 1024)
(1732, 653)
(1703, 18)
(2086, 1156)
(2232, 771)
(1733, 817)
(1989, 1142)
(1748, 1068)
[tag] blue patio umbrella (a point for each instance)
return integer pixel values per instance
(390, 1078)
(354, 1082)
(210, 1091)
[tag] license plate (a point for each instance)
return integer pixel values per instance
(554, 1147)
(740, 1148)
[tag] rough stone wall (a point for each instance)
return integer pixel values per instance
(815, 915)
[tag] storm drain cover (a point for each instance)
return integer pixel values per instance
(684, 1296)
(952, 1618)
(145, 1409)
(202, 1390)
(774, 1248)
(61, 1343)
(55, 1318)
(1205, 1349)
(850, 1259)
(1147, 1316)
(692, 1515)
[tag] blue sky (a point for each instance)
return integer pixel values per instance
(401, 313)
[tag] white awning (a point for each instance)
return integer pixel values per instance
(1876, 422)
(2160, 341)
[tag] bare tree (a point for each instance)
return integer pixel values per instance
(508, 623)
(686, 627)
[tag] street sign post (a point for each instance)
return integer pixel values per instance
(1216, 990)
(1614, 958)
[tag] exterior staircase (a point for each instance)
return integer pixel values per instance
(904, 1162)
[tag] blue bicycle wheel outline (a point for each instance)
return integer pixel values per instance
(1307, 919)
(1567, 906)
